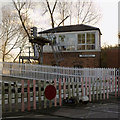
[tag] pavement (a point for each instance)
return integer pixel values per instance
(105, 109)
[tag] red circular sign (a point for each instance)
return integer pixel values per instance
(50, 92)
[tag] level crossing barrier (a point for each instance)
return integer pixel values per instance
(23, 85)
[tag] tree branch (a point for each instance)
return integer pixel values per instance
(63, 20)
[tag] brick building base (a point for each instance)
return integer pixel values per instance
(73, 59)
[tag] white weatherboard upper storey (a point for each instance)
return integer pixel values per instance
(73, 37)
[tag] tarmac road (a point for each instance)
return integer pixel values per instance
(108, 109)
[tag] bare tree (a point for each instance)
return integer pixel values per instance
(86, 12)
(51, 11)
(11, 35)
(64, 11)
(54, 8)
(22, 7)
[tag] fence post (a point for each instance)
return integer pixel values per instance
(89, 89)
(45, 99)
(73, 88)
(77, 89)
(39, 93)
(119, 82)
(82, 88)
(93, 89)
(64, 88)
(113, 81)
(9, 97)
(69, 91)
(3, 97)
(103, 87)
(86, 86)
(60, 101)
(28, 95)
(50, 101)
(55, 99)
(34, 94)
(107, 85)
(97, 89)
(16, 96)
(22, 95)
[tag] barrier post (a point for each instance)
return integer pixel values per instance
(3, 97)
(86, 86)
(77, 89)
(22, 95)
(28, 95)
(39, 93)
(97, 89)
(50, 101)
(119, 82)
(55, 99)
(69, 91)
(89, 89)
(64, 88)
(45, 99)
(16, 96)
(9, 97)
(60, 101)
(107, 85)
(34, 94)
(100, 88)
(115, 86)
(73, 88)
(103, 87)
(93, 88)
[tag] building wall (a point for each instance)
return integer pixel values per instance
(110, 58)
(72, 59)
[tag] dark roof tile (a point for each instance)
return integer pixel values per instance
(70, 28)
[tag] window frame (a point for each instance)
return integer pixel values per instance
(86, 44)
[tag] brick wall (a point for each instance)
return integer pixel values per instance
(72, 59)
(110, 58)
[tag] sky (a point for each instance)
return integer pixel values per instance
(108, 23)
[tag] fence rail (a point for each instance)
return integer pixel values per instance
(42, 72)
(28, 91)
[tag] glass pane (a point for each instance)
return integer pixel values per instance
(93, 38)
(63, 48)
(61, 38)
(81, 47)
(70, 48)
(90, 47)
(93, 47)
(88, 37)
(81, 38)
(93, 35)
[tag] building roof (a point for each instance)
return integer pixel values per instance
(70, 28)
(39, 40)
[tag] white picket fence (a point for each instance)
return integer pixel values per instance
(96, 83)
(42, 72)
